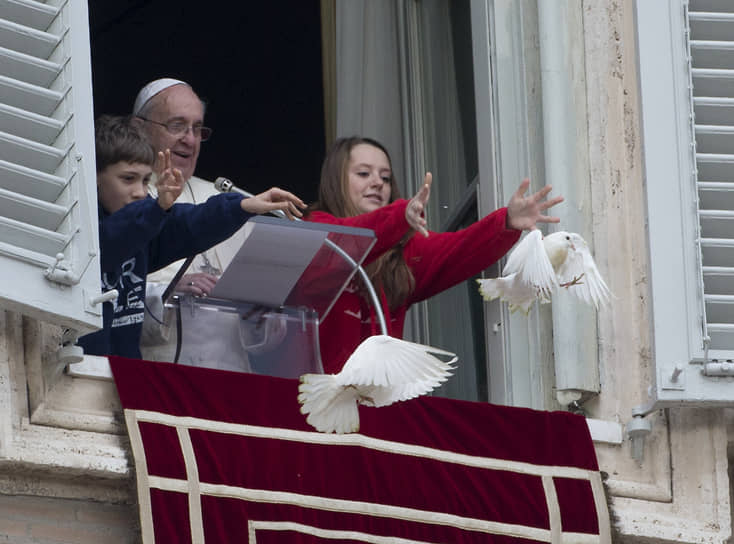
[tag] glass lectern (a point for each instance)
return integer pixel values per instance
(265, 310)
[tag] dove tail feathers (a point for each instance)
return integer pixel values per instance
(329, 407)
(489, 289)
(502, 288)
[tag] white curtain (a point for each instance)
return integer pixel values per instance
(368, 75)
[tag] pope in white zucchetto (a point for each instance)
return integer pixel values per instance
(172, 115)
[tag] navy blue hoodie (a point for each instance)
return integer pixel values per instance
(141, 238)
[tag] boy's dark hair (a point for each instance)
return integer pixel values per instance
(119, 138)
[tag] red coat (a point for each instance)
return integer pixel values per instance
(438, 262)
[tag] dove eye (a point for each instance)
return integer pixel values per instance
(568, 237)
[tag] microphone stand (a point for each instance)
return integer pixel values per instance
(223, 185)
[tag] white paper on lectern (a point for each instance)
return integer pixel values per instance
(269, 263)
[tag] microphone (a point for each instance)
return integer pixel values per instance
(223, 185)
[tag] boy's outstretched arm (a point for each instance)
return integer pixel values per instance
(274, 199)
(170, 181)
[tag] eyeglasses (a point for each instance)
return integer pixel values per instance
(179, 128)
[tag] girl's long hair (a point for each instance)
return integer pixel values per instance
(388, 272)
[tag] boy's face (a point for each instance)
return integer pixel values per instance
(122, 183)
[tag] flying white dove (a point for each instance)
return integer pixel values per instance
(538, 266)
(382, 370)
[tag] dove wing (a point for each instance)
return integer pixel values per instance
(398, 369)
(532, 265)
(517, 257)
(579, 265)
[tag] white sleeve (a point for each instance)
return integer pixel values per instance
(158, 320)
(265, 335)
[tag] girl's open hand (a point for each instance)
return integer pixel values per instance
(415, 212)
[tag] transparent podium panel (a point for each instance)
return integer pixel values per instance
(293, 263)
(329, 272)
(249, 337)
(263, 313)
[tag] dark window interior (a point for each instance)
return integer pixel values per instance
(256, 64)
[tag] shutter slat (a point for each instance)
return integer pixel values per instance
(31, 154)
(712, 195)
(29, 182)
(717, 223)
(714, 139)
(711, 5)
(710, 26)
(46, 242)
(713, 82)
(718, 309)
(722, 336)
(720, 299)
(715, 166)
(717, 251)
(714, 111)
(29, 125)
(28, 68)
(710, 54)
(31, 211)
(29, 13)
(27, 40)
(718, 280)
(29, 97)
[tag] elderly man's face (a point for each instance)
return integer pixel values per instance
(177, 103)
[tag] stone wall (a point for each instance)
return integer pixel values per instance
(44, 520)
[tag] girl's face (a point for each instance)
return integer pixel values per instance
(369, 178)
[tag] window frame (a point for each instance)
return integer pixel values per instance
(59, 288)
(518, 351)
(676, 278)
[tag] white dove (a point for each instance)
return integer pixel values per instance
(538, 266)
(382, 370)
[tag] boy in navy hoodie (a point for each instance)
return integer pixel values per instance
(139, 234)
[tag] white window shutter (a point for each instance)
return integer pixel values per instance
(712, 62)
(686, 53)
(49, 265)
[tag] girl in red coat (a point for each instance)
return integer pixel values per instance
(407, 263)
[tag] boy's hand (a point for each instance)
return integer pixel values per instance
(170, 181)
(274, 199)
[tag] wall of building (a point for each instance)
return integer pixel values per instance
(44, 520)
(64, 460)
(680, 492)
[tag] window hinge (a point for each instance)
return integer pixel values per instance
(61, 272)
(719, 368)
(638, 428)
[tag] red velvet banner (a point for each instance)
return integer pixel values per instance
(226, 457)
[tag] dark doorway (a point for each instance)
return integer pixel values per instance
(256, 64)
